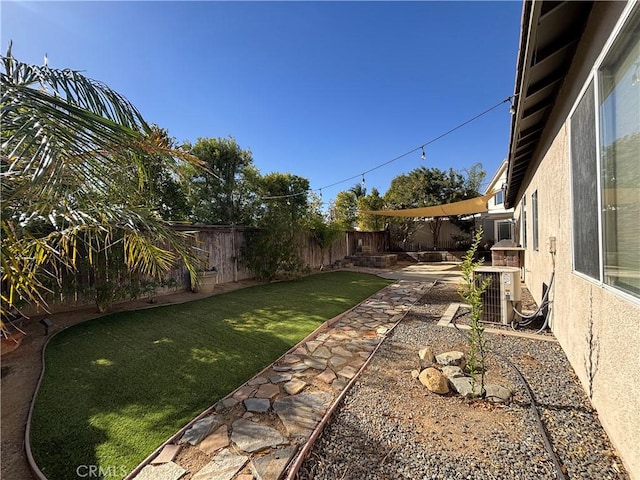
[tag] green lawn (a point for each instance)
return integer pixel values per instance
(116, 387)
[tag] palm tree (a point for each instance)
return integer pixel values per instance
(73, 173)
(358, 190)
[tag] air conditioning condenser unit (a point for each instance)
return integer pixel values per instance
(501, 295)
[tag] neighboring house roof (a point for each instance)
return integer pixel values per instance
(493, 186)
(550, 33)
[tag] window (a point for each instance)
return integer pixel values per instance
(605, 166)
(523, 216)
(504, 230)
(619, 115)
(584, 185)
(498, 198)
(534, 219)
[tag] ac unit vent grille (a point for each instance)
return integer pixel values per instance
(491, 301)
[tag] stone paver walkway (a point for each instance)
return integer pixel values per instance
(257, 431)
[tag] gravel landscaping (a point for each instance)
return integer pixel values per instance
(389, 426)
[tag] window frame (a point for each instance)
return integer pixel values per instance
(534, 221)
(593, 79)
(523, 222)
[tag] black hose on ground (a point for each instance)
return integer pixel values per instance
(532, 402)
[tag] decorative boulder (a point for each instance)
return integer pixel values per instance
(452, 372)
(427, 354)
(454, 358)
(497, 393)
(466, 387)
(434, 381)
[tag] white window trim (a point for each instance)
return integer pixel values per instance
(593, 77)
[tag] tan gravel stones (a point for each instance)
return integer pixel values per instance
(435, 381)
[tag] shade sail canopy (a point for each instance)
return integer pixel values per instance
(465, 207)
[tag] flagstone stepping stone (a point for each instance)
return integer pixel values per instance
(348, 372)
(257, 381)
(280, 377)
(300, 351)
(215, 441)
(317, 363)
(291, 358)
(199, 430)
(357, 363)
(257, 405)
(301, 367)
(341, 352)
(312, 345)
(301, 413)
(295, 386)
(321, 352)
(281, 368)
(337, 362)
(230, 402)
(224, 466)
(327, 376)
(268, 390)
(244, 392)
(253, 437)
(167, 454)
(271, 467)
(339, 384)
(166, 471)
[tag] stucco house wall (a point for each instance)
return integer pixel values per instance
(598, 327)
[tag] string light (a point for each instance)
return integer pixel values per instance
(421, 147)
(512, 107)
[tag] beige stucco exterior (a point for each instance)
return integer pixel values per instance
(598, 328)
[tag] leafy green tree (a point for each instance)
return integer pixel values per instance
(223, 193)
(344, 209)
(425, 187)
(74, 162)
(367, 222)
(282, 213)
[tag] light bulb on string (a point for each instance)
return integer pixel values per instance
(363, 182)
(424, 155)
(512, 107)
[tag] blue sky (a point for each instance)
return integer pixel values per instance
(324, 90)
